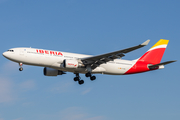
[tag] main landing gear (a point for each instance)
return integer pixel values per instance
(20, 64)
(77, 78)
(89, 75)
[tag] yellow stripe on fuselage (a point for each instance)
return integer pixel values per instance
(161, 42)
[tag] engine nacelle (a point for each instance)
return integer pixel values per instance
(52, 72)
(70, 63)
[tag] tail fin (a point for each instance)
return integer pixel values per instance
(155, 53)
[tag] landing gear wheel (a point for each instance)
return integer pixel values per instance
(20, 69)
(76, 78)
(88, 74)
(93, 78)
(81, 82)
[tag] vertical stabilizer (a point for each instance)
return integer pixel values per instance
(155, 53)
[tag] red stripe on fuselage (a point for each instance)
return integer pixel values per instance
(138, 67)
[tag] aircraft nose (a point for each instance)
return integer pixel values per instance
(4, 54)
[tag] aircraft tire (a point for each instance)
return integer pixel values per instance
(76, 79)
(20, 69)
(81, 82)
(88, 74)
(93, 78)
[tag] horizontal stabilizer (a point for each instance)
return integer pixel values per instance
(164, 63)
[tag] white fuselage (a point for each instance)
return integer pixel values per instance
(54, 59)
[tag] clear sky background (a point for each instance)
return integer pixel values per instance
(89, 27)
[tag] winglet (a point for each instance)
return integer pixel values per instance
(145, 43)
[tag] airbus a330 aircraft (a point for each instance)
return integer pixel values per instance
(57, 62)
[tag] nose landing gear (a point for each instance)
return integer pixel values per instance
(20, 64)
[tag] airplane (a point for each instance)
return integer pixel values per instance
(58, 62)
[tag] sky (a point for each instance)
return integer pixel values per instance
(89, 27)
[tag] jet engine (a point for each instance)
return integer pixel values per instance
(52, 72)
(71, 63)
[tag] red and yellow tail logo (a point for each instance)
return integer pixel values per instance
(152, 56)
(155, 53)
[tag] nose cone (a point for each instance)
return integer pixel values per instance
(4, 54)
(9, 55)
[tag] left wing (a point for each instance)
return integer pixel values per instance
(95, 61)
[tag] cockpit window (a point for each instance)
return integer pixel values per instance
(11, 50)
